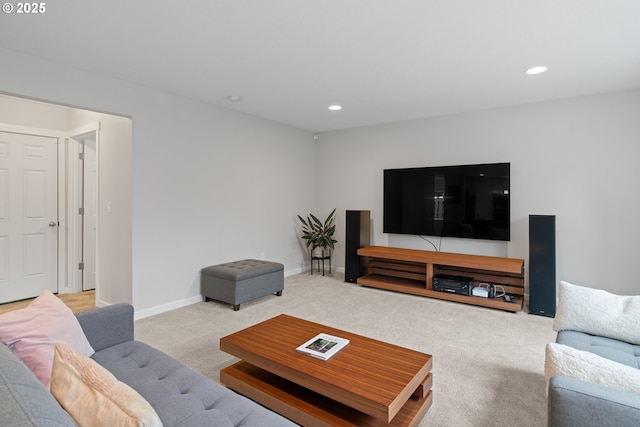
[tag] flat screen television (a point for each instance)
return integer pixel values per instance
(468, 201)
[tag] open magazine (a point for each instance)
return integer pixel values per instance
(323, 346)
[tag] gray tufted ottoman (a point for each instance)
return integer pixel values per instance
(241, 281)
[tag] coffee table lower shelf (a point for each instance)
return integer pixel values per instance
(309, 408)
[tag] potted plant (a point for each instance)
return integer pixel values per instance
(319, 234)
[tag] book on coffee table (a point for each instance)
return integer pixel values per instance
(323, 346)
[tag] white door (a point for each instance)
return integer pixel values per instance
(28, 216)
(90, 204)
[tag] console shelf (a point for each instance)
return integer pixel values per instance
(411, 271)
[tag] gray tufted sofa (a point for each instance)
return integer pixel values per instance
(180, 396)
(573, 402)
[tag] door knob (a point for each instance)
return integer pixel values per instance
(53, 224)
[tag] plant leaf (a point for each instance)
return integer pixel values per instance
(318, 233)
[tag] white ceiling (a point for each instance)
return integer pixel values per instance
(382, 60)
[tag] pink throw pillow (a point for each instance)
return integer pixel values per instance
(33, 332)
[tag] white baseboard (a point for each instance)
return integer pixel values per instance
(198, 298)
(307, 268)
(166, 307)
(101, 303)
(295, 271)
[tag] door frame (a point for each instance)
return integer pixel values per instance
(62, 285)
(74, 202)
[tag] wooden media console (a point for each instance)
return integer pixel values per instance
(411, 271)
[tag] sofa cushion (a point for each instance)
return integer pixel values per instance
(577, 403)
(107, 326)
(618, 351)
(32, 333)
(562, 360)
(598, 312)
(181, 396)
(93, 396)
(24, 401)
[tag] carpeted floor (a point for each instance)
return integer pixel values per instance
(488, 365)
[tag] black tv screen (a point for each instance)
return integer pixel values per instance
(469, 201)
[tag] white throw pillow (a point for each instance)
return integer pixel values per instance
(583, 365)
(598, 312)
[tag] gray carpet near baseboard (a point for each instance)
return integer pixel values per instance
(488, 365)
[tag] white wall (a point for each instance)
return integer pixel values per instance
(207, 185)
(576, 159)
(210, 185)
(27, 113)
(114, 203)
(214, 186)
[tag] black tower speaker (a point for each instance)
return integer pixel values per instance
(542, 265)
(358, 232)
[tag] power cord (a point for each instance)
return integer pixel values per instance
(488, 286)
(430, 242)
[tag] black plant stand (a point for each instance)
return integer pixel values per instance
(321, 258)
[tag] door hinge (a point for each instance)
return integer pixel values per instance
(81, 266)
(81, 156)
(80, 211)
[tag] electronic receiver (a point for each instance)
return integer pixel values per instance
(452, 284)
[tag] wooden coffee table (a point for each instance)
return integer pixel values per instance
(367, 383)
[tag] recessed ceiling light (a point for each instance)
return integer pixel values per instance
(335, 107)
(536, 70)
(234, 98)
